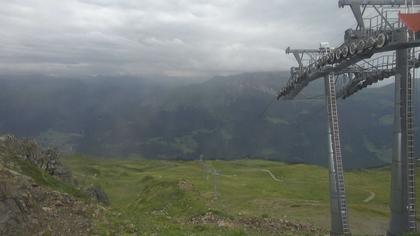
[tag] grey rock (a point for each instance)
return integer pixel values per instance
(98, 194)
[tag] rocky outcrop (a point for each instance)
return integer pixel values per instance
(27, 208)
(13, 149)
(38, 195)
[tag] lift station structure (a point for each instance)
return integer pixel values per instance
(381, 46)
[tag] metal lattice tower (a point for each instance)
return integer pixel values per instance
(374, 37)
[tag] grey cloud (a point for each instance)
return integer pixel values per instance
(161, 37)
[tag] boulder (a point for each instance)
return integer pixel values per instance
(98, 194)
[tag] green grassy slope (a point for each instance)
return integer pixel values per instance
(162, 196)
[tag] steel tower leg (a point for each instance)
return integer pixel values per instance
(402, 202)
(338, 205)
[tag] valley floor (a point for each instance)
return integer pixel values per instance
(247, 197)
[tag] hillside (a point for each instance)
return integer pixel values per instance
(221, 118)
(245, 197)
(38, 196)
(41, 196)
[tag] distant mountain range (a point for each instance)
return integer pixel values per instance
(222, 118)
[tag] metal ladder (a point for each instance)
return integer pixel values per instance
(411, 159)
(337, 156)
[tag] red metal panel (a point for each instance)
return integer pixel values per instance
(412, 21)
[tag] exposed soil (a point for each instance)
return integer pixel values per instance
(265, 226)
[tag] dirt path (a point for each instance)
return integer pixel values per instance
(271, 174)
(370, 198)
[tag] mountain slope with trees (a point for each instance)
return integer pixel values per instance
(222, 118)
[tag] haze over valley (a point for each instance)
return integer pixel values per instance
(221, 118)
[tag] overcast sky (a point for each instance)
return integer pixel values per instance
(186, 38)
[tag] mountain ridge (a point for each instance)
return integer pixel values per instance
(221, 118)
